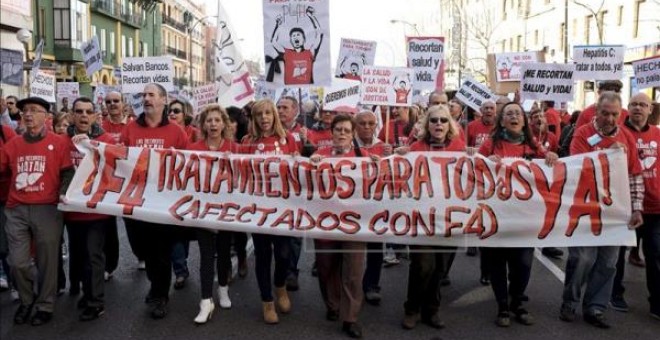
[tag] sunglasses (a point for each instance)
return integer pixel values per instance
(110, 101)
(435, 120)
(175, 111)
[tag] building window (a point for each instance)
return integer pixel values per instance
(61, 21)
(638, 5)
(102, 41)
(123, 46)
(130, 47)
(112, 43)
(587, 28)
(619, 16)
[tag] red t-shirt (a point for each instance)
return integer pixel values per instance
(321, 139)
(76, 158)
(588, 114)
(554, 122)
(113, 130)
(35, 169)
(161, 137)
(648, 142)
(506, 149)
(455, 144)
(377, 149)
(227, 146)
(478, 133)
(580, 144)
(329, 153)
(396, 133)
(8, 134)
(193, 133)
(298, 66)
(272, 145)
(402, 96)
(565, 119)
(549, 141)
(296, 132)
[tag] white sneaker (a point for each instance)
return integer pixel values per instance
(223, 296)
(3, 283)
(14, 295)
(206, 308)
(107, 276)
(142, 265)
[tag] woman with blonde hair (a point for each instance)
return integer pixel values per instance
(268, 137)
(214, 123)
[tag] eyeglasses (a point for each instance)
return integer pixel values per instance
(87, 112)
(175, 111)
(343, 130)
(435, 120)
(110, 101)
(642, 105)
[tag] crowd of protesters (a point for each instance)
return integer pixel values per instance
(38, 159)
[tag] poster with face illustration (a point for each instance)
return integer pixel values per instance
(297, 42)
(354, 54)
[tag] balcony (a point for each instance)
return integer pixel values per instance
(115, 9)
(176, 52)
(174, 23)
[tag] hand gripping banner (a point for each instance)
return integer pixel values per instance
(434, 198)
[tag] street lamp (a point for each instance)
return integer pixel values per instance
(190, 30)
(414, 26)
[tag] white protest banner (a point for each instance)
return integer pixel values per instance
(342, 96)
(137, 72)
(507, 65)
(423, 198)
(205, 95)
(547, 81)
(297, 42)
(234, 87)
(602, 62)
(474, 94)
(43, 86)
(426, 55)
(91, 53)
(353, 55)
(386, 86)
(647, 72)
(68, 90)
(36, 63)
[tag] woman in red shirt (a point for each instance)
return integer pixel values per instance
(214, 124)
(430, 264)
(268, 137)
(340, 264)
(180, 111)
(512, 138)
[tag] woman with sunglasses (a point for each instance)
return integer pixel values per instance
(268, 137)
(180, 111)
(429, 264)
(214, 124)
(340, 264)
(512, 138)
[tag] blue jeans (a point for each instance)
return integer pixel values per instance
(295, 246)
(180, 258)
(595, 266)
(650, 233)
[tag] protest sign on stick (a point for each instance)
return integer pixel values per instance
(354, 54)
(68, 90)
(602, 62)
(205, 95)
(91, 53)
(43, 86)
(474, 94)
(438, 198)
(342, 96)
(386, 86)
(426, 55)
(139, 71)
(547, 81)
(647, 72)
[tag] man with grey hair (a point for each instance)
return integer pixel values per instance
(438, 98)
(596, 266)
(478, 131)
(115, 122)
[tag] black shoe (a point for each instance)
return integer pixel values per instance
(523, 317)
(485, 280)
(553, 252)
(22, 314)
(159, 310)
(180, 282)
(596, 319)
(444, 282)
(433, 321)
(619, 304)
(82, 303)
(149, 299)
(566, 314)
(41, 318)
(332, 315)
(352, 329)
(471, 251)
(292, 283)
(91, 313)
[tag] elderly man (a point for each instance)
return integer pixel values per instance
(87, 232)
(152, 129)
(589, 112)
(648, 141)
(39, 175)
(595, 267)
(478, 131)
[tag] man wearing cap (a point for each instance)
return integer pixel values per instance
(39, 175)
(153, 129)
(589, 112)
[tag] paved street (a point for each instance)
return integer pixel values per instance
(468, 309)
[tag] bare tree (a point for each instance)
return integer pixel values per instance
(597, 13)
